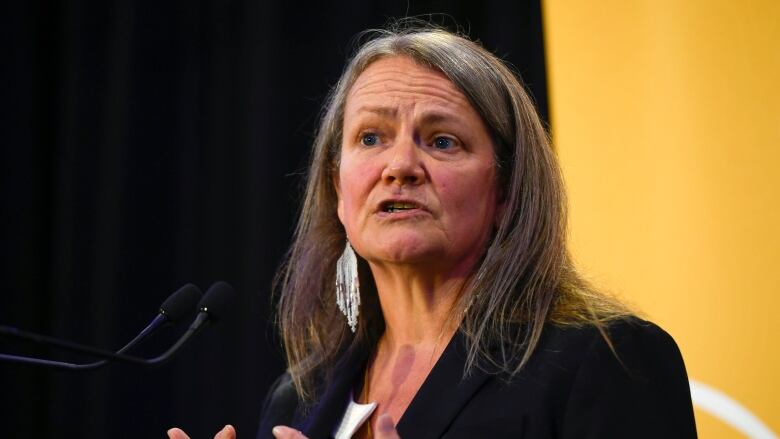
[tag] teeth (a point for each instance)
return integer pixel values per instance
(396, 206)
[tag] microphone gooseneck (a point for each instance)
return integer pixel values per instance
(175, 307)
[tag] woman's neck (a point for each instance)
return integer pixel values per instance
(419, 322)
(417, 309)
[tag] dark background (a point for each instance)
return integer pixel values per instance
(150, 144)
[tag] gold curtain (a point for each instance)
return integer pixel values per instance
(666, 116)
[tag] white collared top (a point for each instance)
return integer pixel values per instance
(354, 417)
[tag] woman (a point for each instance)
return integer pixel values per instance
(459, 314)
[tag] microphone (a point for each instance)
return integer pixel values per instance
(211, 308)
(175, 307)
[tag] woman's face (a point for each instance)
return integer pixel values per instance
(416, 181)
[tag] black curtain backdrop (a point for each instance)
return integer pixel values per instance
(150, 144)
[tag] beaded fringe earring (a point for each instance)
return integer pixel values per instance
(348, 286)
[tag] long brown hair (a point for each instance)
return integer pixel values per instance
(526, 277)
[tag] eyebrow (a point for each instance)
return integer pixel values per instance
(435, 117)
(378, 110)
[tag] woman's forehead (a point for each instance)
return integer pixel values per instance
(399, 80)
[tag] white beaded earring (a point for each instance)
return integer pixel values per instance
(348, 286)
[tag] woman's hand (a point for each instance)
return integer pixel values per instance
(228, 432)
(384, 430)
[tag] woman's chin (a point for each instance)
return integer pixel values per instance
(406, 253)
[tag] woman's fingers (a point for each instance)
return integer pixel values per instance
(283, 432)
(227, 432)
(177, 433)
(385, 428)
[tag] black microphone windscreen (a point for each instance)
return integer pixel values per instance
(217, 300)
(181, 303)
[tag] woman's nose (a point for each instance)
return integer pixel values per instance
(405, 165)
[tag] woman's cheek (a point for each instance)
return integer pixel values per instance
(351, 203)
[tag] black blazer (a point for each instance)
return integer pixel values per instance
(573, 387)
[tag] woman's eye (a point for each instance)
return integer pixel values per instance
(443, 143)
(369, 139)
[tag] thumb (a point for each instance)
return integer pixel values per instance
(177, 433)
(385, 428)
(284, 432)
(227, 432)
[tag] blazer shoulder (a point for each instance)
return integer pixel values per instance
(633, 332)
(641, 348)
(629, 380)
(630, 341)
(626, 330)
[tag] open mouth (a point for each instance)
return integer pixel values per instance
(398, 206)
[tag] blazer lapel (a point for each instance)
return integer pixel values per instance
(442, 395)
(321, 421)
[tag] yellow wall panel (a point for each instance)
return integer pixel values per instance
(666, 116)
